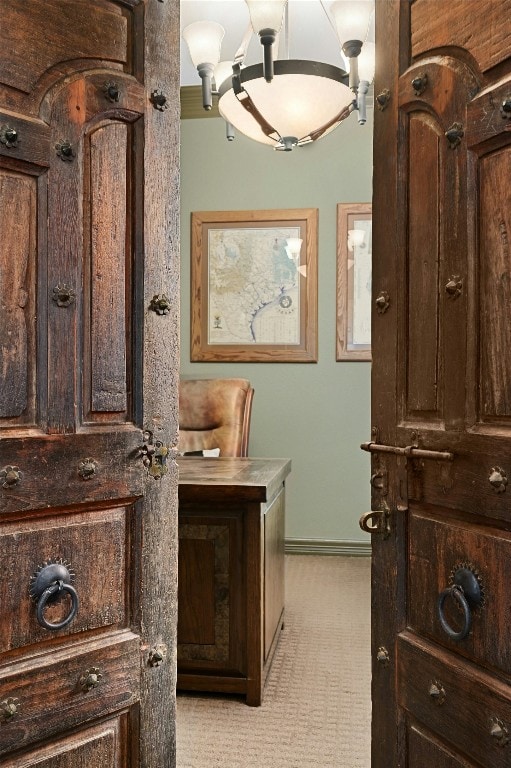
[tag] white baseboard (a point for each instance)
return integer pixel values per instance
(327, 547)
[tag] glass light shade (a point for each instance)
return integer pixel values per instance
(366, 62)
(222, 71)
(204, 39)
(293, 247)
(356, 237)
(266, 14)
(304, 96)
(351, 19)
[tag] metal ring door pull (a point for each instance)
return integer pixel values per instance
(47, 596)
(466, 592)
(50, 583)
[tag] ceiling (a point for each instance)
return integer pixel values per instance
(310, 33)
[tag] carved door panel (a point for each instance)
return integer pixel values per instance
(88, 326)
(441, 412)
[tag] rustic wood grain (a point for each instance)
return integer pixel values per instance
(57, 676)
(252, 505)
(464, 720)
(440, 380)
(17, 276)
(106, 220)
(99, 745)
(460, 25)
(110, 261)
(388, 615)
(157, 58)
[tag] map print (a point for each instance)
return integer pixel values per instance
(254, 287)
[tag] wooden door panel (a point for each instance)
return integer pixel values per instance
(424, 750)
(441, 381)
(56, 32)
(89, 224)
(30, 151)
(494, 288)
(435, 247)
(51, 693)
(487, 42)
(424, 385)
(95, 545)
(469, 704)
(211, 632)
(441, 543)
(466, 480)
(18, 269)
(117, 472)
(107, 744)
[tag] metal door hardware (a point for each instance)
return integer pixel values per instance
(90, 679)
(383, 656)
(157, 655)
(382, 302)
(410, 451)
(111, 91)
(505, 108)
(159, 100)
(379, 481)
(10, 476)
(383, 99)
(87, 468)
(454, 135)
(499, 731)
(48, 585)
(160, 304)
(454, 287)
(437, 692)
(9, 708)
(376, 521)
(65, 151)
(155, 456)
(63, 295)
(9, 136)
(498, 479)
(419, 84)
(467, 592)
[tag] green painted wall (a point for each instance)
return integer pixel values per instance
(316, 414)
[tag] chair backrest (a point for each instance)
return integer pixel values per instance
(215, 413)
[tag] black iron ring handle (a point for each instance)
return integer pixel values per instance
(456, 592)
(49, 592)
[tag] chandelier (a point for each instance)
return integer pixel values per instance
(285, 102)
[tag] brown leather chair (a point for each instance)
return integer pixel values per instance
(215, 413)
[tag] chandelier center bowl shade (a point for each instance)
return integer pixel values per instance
(302, 96)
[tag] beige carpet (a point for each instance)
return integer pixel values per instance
(317, 704)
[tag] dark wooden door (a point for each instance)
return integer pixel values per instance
(89, 115)
(441, 403)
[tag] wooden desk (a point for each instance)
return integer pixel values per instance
(231, 572)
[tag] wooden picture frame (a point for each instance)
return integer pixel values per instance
(250, 300)
(353, 337)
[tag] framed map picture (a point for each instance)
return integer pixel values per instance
(354, 270)
(254, 286)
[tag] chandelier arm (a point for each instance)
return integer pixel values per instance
(246, 102)
(318, 133)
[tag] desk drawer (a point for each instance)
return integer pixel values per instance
(51, 693)
(467, 708)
